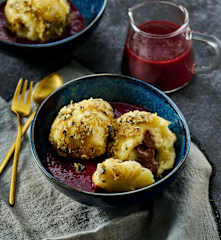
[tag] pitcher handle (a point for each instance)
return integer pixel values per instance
(215, 43)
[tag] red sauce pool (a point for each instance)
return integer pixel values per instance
(165, 63)
(76, 24)
(63, 168)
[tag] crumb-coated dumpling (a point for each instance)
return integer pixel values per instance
(80, 130)
(37, 20)
(114, 175)
(129, 132)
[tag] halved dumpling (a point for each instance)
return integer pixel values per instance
(114, 175)
(138, 135)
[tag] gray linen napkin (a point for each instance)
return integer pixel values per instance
(42, 212)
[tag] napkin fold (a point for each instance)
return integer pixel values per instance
(182, 211)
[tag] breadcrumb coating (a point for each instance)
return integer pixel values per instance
(114, 175)
(37, 20)
(129, 132)
(80, 130)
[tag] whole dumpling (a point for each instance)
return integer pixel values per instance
(114, 175)
(37, 20)
(81, 129)
(129, 134)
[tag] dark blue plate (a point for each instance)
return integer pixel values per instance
(110, 87)
(91, 11)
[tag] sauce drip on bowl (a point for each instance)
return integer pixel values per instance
(63, 168)
(76, 24)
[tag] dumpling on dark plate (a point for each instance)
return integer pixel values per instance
(80, 130)
(143, 137)
(114, 175)
(37, 20)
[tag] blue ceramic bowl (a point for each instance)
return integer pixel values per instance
(91, 10)
(110, 87)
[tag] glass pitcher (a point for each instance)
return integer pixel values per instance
(159, 48)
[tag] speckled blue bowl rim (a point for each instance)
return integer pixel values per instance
(141, 83)
(62, 41)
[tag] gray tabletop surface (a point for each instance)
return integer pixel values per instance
(200, 101)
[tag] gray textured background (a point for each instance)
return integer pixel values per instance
(200, 101)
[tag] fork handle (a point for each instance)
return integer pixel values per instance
(12, 149)
(15, 162)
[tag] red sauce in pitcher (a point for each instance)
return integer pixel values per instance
(63, 168)
(166, 63)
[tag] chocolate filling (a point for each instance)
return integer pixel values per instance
(147, 153)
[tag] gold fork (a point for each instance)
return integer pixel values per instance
(21, 108)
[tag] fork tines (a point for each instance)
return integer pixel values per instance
(18, 90)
